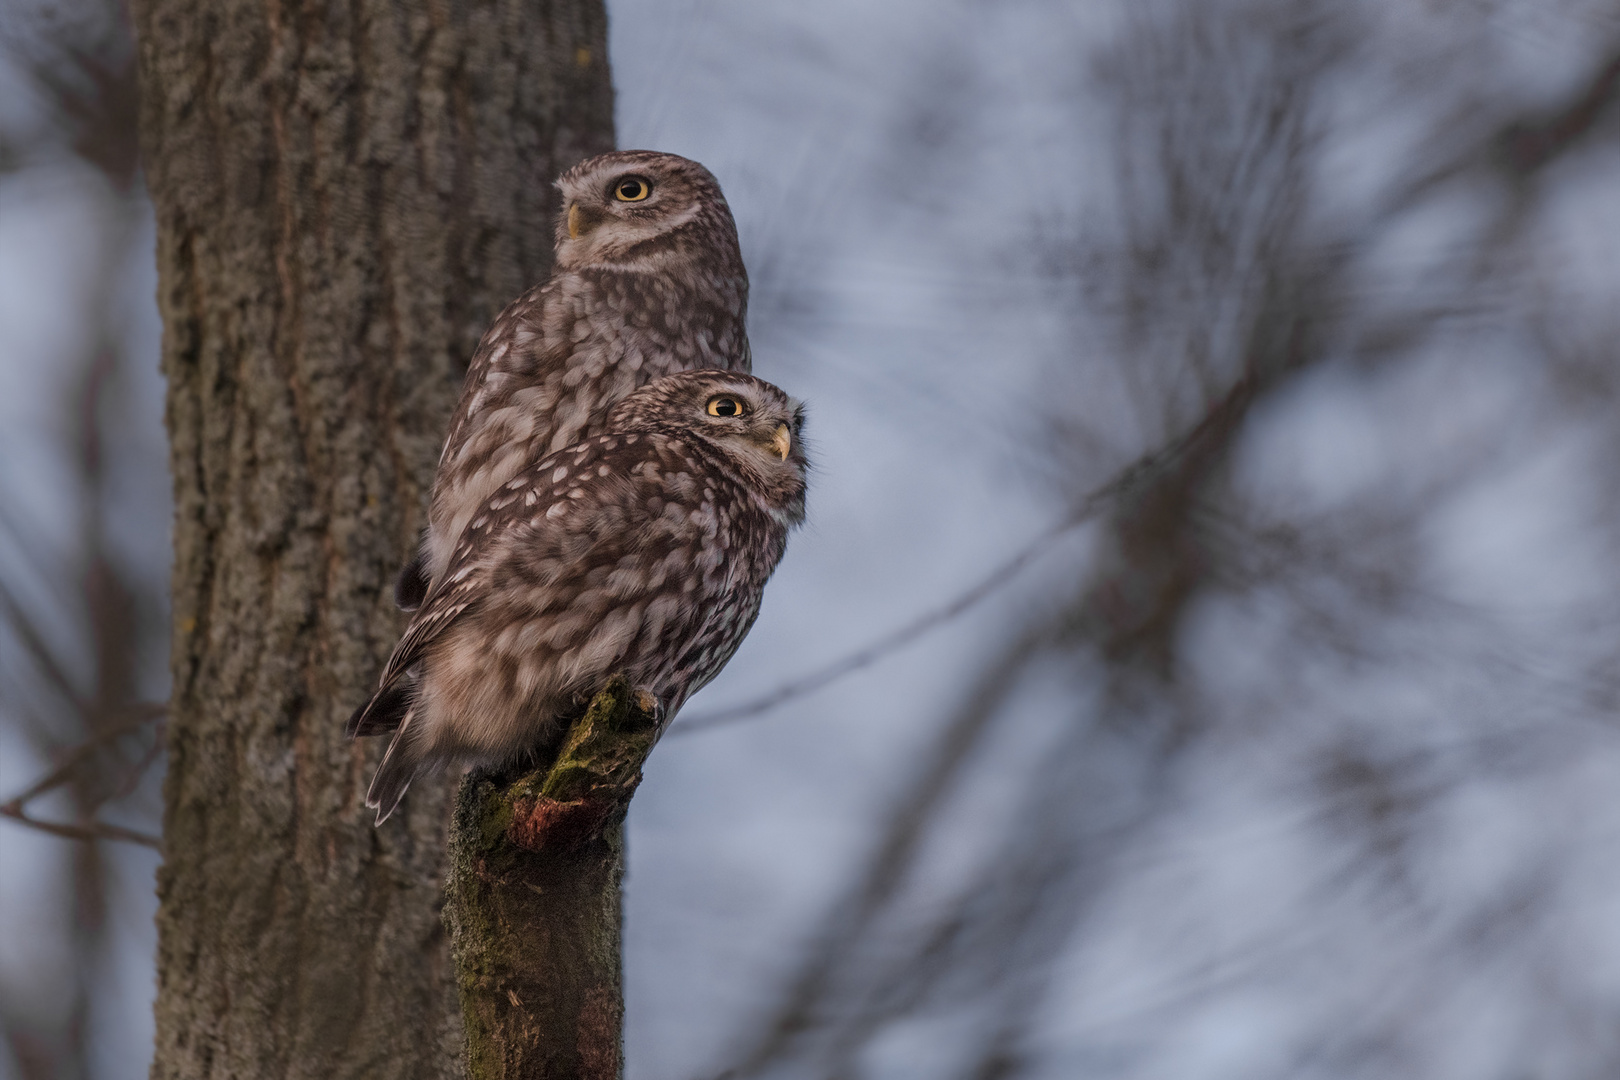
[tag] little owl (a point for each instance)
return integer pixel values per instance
(648, 280)
(642, 550)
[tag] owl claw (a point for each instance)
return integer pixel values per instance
(648, 703)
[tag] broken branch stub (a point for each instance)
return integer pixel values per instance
(533, 901)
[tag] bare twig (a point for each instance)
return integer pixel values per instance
(1134, 477)
(33, 643)
(1528, 144)
(899, 638)
(96, 830)
(139, 717)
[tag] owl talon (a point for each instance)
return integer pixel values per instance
(648, 702)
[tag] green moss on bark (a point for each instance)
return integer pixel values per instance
(533, 902)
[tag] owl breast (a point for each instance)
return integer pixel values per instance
(549, 373)
(624, 553)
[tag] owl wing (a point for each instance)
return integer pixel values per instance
(528, 504)
(386, 709)
(533, 335)
(513, 348)
(458, 592)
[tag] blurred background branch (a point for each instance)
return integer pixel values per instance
(145, 720)
(83, 521)
(1231, 275)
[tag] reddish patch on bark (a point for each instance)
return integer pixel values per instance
(547, 823)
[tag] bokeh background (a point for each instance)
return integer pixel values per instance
(1273, 344)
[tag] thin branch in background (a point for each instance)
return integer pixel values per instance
(1133, 478)
(140, 718)
(899, 638)
(1234, 265)
(16, 618)
(82, 73)
(802, 1011)
(848, 987)
(95, 831)
(1530, 144)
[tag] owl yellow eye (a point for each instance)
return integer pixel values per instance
(632, 189)
(726, 405)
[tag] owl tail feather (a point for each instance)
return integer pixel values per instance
(411, 587)
(399, 767)
(384, 711)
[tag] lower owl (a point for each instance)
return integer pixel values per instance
(644, 551)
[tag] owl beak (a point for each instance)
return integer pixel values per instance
(582, 220)
(781, 442)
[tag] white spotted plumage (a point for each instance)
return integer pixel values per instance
(644, 550)
(639, 290)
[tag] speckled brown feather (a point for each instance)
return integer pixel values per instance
(644, 550)
(649, 290)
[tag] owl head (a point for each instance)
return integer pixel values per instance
(756, 428)
(642, 210)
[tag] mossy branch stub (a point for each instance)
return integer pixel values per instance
(533, 904)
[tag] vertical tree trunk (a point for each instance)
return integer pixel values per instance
(345, 195)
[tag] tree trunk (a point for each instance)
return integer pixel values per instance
(345, 196)
(533, 902)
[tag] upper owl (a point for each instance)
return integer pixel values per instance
(648, 280)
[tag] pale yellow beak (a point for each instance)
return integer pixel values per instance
(573, 221)
(781, 442)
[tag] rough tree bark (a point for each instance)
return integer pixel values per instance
(345, 196)
(533, 902)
